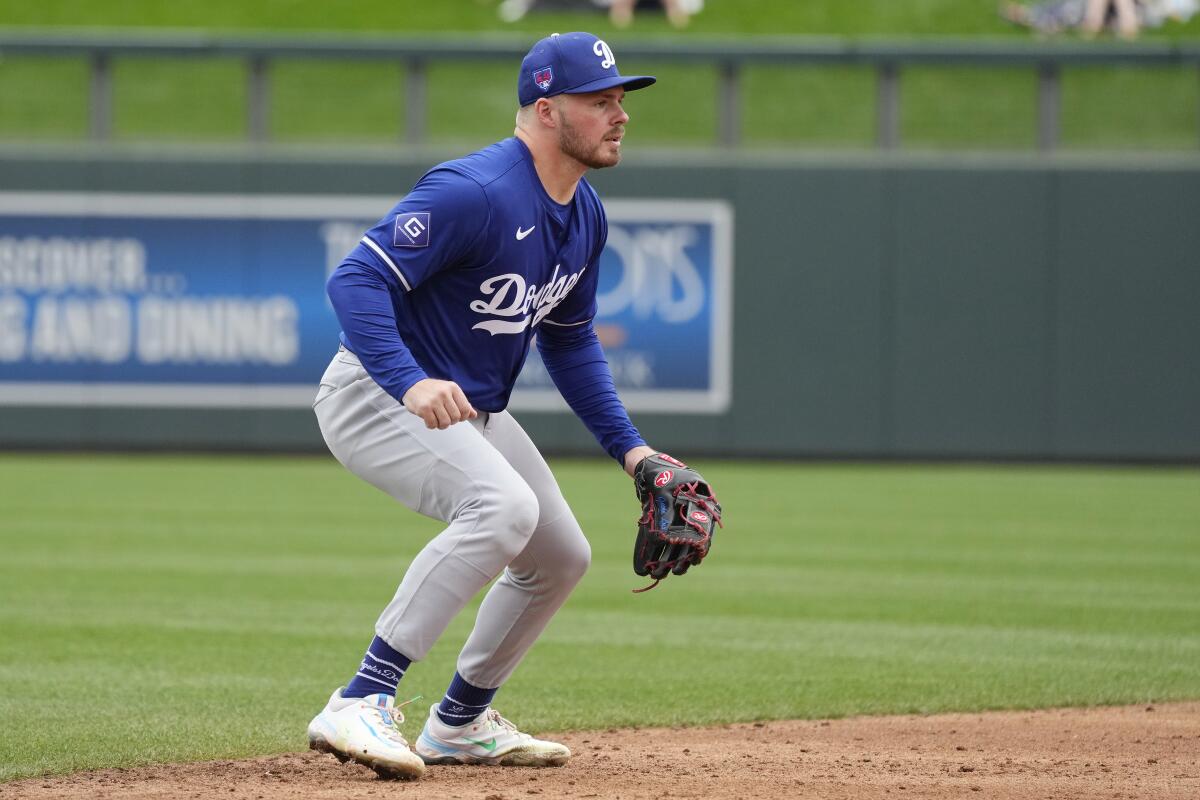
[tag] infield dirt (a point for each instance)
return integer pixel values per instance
(1129, 752)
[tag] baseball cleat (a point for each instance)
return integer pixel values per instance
(490, 739)
(366, 730)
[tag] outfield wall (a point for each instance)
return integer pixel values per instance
(868, 307)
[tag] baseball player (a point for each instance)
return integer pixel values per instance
(439, 305)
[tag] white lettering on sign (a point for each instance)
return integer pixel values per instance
(58, 264)
(658, 278)
(67, 329)
(13, 311)
(340, 238)
(218, 330)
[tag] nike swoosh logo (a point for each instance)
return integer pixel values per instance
(522, 234)
(489, 745)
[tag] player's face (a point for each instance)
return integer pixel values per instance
(591, 127)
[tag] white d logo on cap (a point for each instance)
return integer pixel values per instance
(601, 49)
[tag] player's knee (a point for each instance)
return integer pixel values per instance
(524, 512)
(514, 513)
(567, 560)
(576, 560)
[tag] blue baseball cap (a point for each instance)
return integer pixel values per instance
(571, 63)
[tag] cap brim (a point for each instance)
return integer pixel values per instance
(630, 82)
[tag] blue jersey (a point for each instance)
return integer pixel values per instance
(476, 260)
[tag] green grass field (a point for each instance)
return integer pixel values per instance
(472, 104)
(161, 608)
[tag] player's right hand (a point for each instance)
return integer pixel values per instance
(439, 403)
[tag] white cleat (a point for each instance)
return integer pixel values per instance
(490, 739)
(366, 730)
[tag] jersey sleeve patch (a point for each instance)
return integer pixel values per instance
(403, 242)
(411, 229)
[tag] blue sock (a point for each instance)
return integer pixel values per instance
(381, 669)
(463, 702)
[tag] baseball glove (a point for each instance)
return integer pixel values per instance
(679, 515)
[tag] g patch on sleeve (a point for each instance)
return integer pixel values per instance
(412, 229)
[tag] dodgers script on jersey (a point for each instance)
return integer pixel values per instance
(477, 258)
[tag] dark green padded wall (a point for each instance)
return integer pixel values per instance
(883, 307)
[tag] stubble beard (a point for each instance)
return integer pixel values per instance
(572, 144)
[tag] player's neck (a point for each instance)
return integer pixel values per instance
(558, 172)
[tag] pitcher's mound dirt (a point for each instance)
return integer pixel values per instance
(1129, 753)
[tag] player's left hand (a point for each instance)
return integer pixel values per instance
(679, 516)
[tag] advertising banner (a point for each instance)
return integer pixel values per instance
(218, 300)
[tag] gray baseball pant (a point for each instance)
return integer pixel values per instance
(504, 514)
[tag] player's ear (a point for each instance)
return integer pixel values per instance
(543, 108)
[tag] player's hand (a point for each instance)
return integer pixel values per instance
(439, 403)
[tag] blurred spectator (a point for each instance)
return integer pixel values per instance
(1122, 13)
(1090, 17)
(1087, 16)
(678, 11)
(1050, 18)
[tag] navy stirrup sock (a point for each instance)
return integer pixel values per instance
(381, 669)
(463, 702)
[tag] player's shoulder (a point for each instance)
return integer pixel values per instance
(487, 166)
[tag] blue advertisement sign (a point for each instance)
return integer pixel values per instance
(218, 300)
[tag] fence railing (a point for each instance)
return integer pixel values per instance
(729, 57)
